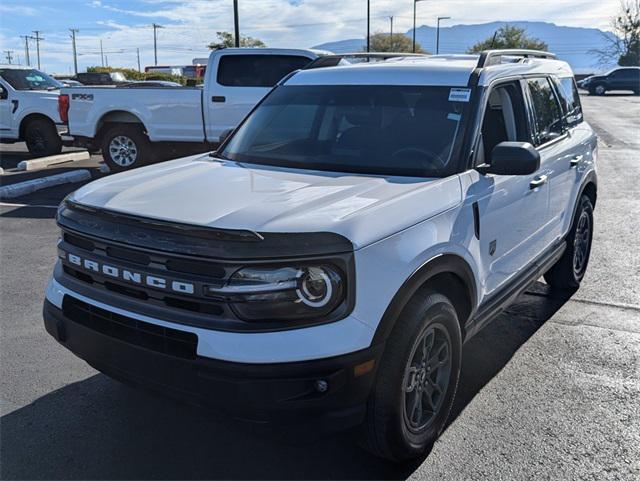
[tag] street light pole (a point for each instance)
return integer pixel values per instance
(368, 25)
(413, 49)
(236, 22)
(155, 42)
(75, 52)
(438, 33)
(391, 33)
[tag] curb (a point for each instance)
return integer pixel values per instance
(27, 187)
(43, 162)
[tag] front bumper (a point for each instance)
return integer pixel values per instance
(284, 393)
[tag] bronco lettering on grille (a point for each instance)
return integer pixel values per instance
(130, 276)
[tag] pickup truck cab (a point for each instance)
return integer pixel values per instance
(29, 109)
(135, 126)
(326, 264)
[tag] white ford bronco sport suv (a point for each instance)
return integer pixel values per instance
(328, 262)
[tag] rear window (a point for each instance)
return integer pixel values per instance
(257, 70)
(29, 79)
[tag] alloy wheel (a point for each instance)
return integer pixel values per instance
(123, 150)
(426, 377)
(581, 243)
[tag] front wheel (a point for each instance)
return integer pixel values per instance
(417, 379)
(125, 148)
(42, 139)
(570, 269)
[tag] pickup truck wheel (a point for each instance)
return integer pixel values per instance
(416, 381)
(125, 148)
(42, 139)
(568, 272)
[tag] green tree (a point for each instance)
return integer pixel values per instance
(227, 39)
(623, 43)
(383, 42)
(509, 37)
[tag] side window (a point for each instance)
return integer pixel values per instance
(504, 119)
(546, 111)
(257, 70)
(570, 101)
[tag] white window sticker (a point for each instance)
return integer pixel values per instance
(459, 95)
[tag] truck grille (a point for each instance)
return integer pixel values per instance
(195, 273)
(161, 339)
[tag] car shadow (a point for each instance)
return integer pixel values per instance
(100, 429)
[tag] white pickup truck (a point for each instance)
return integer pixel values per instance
(136, 126)
(29, 109)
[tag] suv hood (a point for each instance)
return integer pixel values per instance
(203, 191)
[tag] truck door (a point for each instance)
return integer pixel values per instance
(512, 210)
(6, 112)
(237, 81)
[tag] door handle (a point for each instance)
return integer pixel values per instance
(218, 98)
(538, 181)
(576, 160)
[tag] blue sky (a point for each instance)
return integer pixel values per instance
(125, 25)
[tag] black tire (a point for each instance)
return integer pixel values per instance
(598, 89)
(390, 431)
(125, 147)
(42, 139)
(570, 269)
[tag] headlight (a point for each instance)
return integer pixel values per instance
(283, 293)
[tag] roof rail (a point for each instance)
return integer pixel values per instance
(333, 60)
(492, 57)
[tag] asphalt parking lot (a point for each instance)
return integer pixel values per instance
(550, 390)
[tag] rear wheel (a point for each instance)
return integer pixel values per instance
(598, 90)
(125, 147)
(570, 269)
(42, 139)
(417, 379)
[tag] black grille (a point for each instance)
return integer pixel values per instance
(132, 331)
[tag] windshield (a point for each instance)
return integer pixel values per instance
(373, 129)
(29, 79)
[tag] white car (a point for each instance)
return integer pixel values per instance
(29, 109)
(328, 262)
(135, 126)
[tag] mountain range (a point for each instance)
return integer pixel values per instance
(576, 45)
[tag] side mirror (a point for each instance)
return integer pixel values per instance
(512, 158)
(3, 93)
(225, 134)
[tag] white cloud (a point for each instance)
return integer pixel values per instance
(191, 24)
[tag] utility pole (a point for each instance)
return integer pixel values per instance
(101, 54)
(368, 25)
(26, 48)
(236, 23)
(438, 33)
(75, 52)
(155, 42)
(138, 51)
(391, 34)
(9, 55)
(37, 39)
(414, 25)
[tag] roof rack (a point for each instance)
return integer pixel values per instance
(493, 57)
(333, 60)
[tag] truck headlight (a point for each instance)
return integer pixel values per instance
(283, 293)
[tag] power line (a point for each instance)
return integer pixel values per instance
(37, 39)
